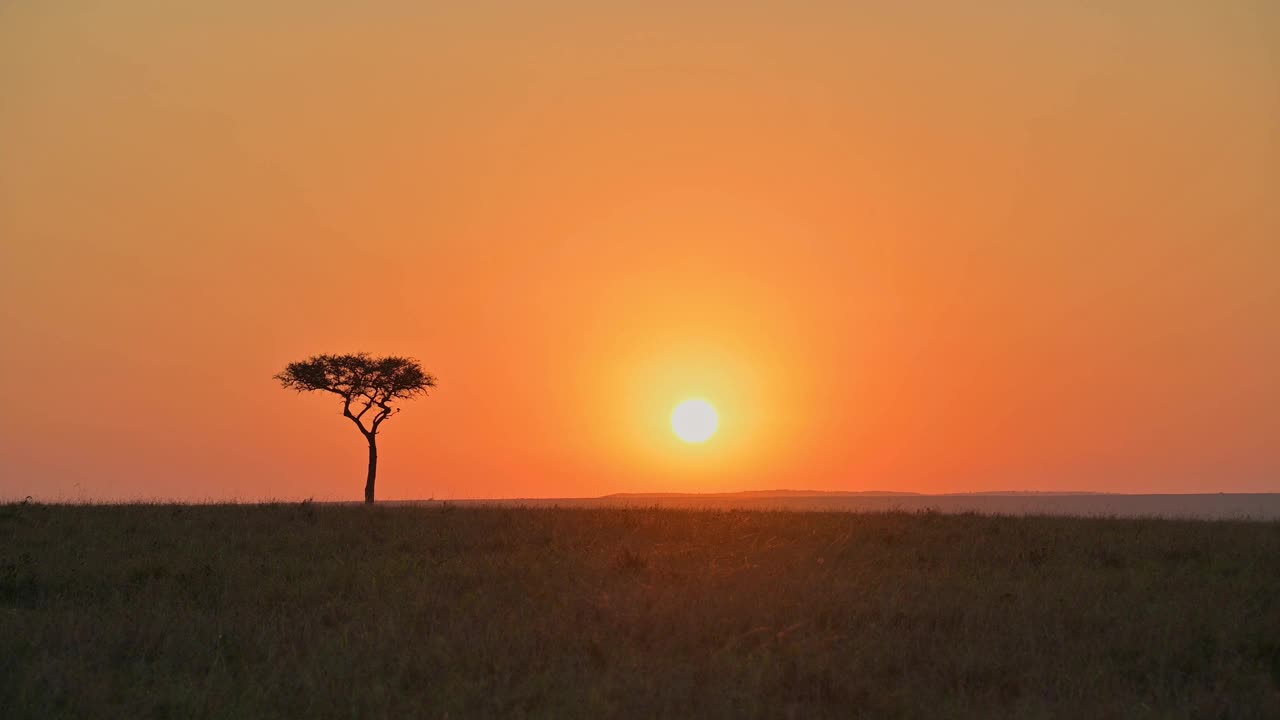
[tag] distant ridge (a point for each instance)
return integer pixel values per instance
(784, 493)
(761, 493)
(1026, 492)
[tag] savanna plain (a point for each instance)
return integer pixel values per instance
(313, 610)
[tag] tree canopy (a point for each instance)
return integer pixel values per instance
(362, 381)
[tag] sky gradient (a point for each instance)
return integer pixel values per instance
(900, 246)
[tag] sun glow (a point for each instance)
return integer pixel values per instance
(695, 421)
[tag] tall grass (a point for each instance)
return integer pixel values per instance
(347, 611)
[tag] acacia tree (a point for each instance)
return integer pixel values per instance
(367, 385)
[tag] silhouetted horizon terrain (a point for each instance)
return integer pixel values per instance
(1205, 506)
(1189, 506)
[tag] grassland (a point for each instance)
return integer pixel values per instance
(346, 611)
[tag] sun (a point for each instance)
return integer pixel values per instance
(695, 421)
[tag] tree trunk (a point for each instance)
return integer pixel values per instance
(373, 470)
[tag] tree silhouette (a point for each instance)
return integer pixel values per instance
(365, 384)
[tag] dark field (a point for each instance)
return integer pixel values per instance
(347, 611)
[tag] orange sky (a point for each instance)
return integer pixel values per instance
(905, 246)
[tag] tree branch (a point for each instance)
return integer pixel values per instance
(368, 404)
(385, 411)
(346, 411)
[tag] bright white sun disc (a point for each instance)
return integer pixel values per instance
(695, 421)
